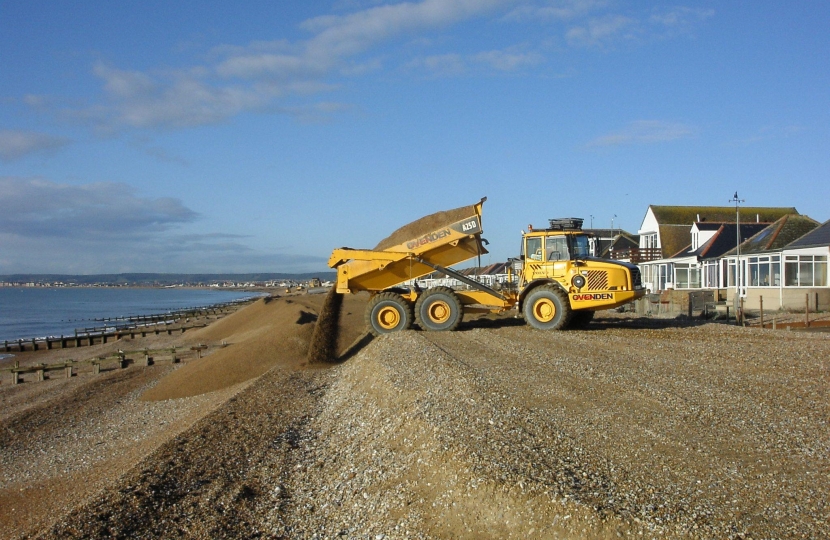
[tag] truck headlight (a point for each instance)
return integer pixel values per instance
(578, 281)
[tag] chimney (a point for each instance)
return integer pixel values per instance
(757, 218)
(698, 217)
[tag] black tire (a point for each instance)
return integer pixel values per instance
(547, 308)
(388, 312)
(438, 309)
(581, 319)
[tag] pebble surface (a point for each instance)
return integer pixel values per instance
(501, 431)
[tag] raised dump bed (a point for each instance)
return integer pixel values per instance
(413, 251)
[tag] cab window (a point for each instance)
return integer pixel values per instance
(534, 248)
(556, 248)
(580, 246)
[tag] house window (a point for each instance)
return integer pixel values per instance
(710, 278)
(775, 270)
(764, 271)
(805, 271)
(663, 276)
(687, 276)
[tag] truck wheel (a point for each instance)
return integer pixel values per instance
(581, 319)
(438, 309)
(388, 312)
(547, 308)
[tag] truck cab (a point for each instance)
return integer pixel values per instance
(560, 282)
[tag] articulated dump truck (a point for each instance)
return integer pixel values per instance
(554, 284)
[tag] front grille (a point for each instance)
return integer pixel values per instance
(597, 280)
(636, 278)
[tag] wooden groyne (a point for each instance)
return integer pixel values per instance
(99, 364)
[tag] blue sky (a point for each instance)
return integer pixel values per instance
(255, 137)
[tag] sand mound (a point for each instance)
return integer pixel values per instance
(236, 326)
(425, 225)
(323, 346)
(260, 337)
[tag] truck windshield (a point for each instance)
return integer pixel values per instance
(580, 246)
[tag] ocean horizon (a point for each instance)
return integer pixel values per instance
(35, 312)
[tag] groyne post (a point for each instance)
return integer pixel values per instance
(761, 302)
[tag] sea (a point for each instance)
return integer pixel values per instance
(34, 312)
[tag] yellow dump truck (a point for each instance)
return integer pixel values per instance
(556, 285)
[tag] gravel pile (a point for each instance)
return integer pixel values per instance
(56, 453)
(500, 431)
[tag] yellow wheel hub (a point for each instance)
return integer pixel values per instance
(544, 310)
(439, 311)
(388, 318)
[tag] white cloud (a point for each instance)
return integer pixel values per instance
(555, 9)
(601, 23)
(263, 76)
(645, 132)
(15, 144)
(600, 31)
(768, 133)
(440, 64)
(511, 59)
(506, 60)
(256, 77)
(105, 227)
(681, 17)
(340, 37)
(35, 207)
(182, 99)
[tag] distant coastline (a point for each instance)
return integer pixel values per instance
(156, 280)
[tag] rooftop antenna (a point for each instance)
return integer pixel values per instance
(735, 199)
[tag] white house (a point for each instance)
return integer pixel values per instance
(680, 238)
(785, 264)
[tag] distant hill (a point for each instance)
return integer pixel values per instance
(161, 279)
